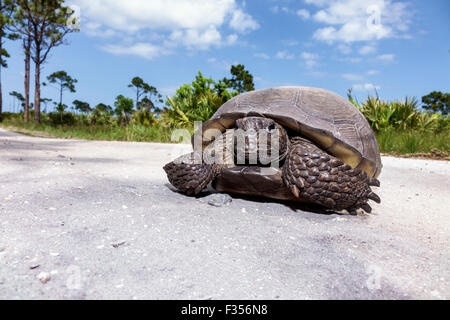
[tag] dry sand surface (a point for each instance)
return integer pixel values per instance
(98, 220)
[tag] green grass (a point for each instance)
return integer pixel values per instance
(391, 140)
(132, 132)
(397, 141)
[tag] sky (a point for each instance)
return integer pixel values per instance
(399, 48)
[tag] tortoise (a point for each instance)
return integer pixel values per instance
(326, 151)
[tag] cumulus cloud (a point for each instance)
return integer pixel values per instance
(351, 76)
(388, 57)
(345, 49)
(304, 14)
(195, 24)
(262, 55)
(367, 49)
(276, 9)
(365, 87)
(145, 50)
(243, 22)
(284, 55)
(194, 38)
(309, 59)
(355, 20)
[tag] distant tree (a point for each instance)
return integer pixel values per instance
(241, 79)
(43, 100)
(22, 26)
(60, 107)
(49, 21)
(101, 107)
(145, 104)
(142, 88)
(194, 102)
(101, 114)
(63, 81)
(437, 102)
(19, 97)
(123, 108)
(81, 106)
(6, 11)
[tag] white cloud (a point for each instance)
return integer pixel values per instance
(309, 56)
(262, 55)
(276, 9)
(309, 59)
(145, 50)
(345, 49)
(243, 22)
(351, 76)
(231, 39)
(284, 55)
(355, 20)
(290, 42)
(353, 59)
(133, 15)
(372, 72)
(194, 38)
(389, 57)
(368, 49)
(96, 30)
(365, 87)
(195, 24)
(304, 14)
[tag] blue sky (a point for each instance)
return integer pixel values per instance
(401, 48)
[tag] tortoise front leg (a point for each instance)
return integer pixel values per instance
(188, 176)
(311, 173)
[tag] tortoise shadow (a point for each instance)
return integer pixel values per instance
(293, 206)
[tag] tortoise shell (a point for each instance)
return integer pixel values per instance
(327, 119)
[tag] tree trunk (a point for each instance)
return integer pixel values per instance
(26, 108)
(1, 95)
(60, 94)
(37, 89)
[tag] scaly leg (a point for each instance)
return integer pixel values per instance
(189, 177)
(312, 173)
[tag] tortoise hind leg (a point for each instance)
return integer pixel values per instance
(323, 179)
(188, 176)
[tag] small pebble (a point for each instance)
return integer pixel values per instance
(219, 199)
(44, 277)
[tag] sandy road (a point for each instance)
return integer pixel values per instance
(99, 219)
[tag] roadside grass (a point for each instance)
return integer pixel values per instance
(131, 132)
(391, 140)
(395, 141)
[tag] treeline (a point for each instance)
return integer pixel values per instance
(195, 101)
(406, 114)
(40, 26)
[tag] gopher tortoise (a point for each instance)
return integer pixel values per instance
(291, 143)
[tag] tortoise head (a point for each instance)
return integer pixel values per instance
(259, 140)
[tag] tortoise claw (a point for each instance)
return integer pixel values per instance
(374, 182)
(294, 189)
(374, 197)
(366, 208)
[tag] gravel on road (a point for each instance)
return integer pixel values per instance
(98, 220)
